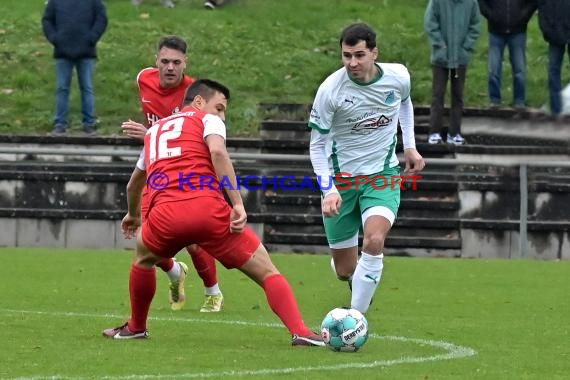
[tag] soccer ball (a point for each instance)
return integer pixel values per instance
(344, 330)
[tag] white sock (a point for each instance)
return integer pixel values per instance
(365, 280)
(174, 272)
(212, 290)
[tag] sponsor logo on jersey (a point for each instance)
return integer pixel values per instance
(369, 125)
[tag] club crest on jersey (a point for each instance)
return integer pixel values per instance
(176, 110)
(367, 126)
(390, 98)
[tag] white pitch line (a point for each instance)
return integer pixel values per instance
(169, 319)
(453, 352)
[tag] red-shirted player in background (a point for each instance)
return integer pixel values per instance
(184, 149)
(162, 91)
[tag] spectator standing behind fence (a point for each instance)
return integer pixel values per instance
(554, 20)
(452, 27)
(507, 21)
(74, 28)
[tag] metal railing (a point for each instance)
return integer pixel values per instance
(522, 164)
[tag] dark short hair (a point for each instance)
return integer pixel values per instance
(206, 88)
(172, 42)
(359, 31)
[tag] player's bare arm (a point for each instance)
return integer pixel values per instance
(414, 161)
(132, 221)
(134, 130)
(224, 169)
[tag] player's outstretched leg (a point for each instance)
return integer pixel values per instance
(206, 268)
(280, 297)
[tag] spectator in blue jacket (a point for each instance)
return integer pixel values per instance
(507, 21)
(74, 28)
(554, 21)
(452, 27)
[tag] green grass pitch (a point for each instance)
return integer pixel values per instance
(431, 319)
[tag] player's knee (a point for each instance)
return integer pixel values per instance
(265, 269)
(259, 267)
(373, 243)
(144, 257)
(268, 273)
(259, 274)
(147, 261)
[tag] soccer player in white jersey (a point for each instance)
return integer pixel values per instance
(353, 124)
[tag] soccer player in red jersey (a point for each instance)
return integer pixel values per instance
(187, 165)
(161, 92)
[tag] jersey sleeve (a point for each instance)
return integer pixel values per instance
(140, 162)
(213, 125)
(405, 83)
(322, 111)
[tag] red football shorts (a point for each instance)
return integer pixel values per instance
(169, 227)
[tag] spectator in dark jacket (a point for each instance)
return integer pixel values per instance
(73, 28)
(452, 28)
(554, 20)
(507, 21)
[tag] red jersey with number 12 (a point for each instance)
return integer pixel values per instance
(178, 161)
(159, 102)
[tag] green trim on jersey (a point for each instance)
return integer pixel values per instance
(376, 79)
(391, 153)
(319, 129)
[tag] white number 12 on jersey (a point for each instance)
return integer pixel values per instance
(171, 130)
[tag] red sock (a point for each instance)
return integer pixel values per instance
(283, 303)
(142, 287)
(205, 266)
(166, 264)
